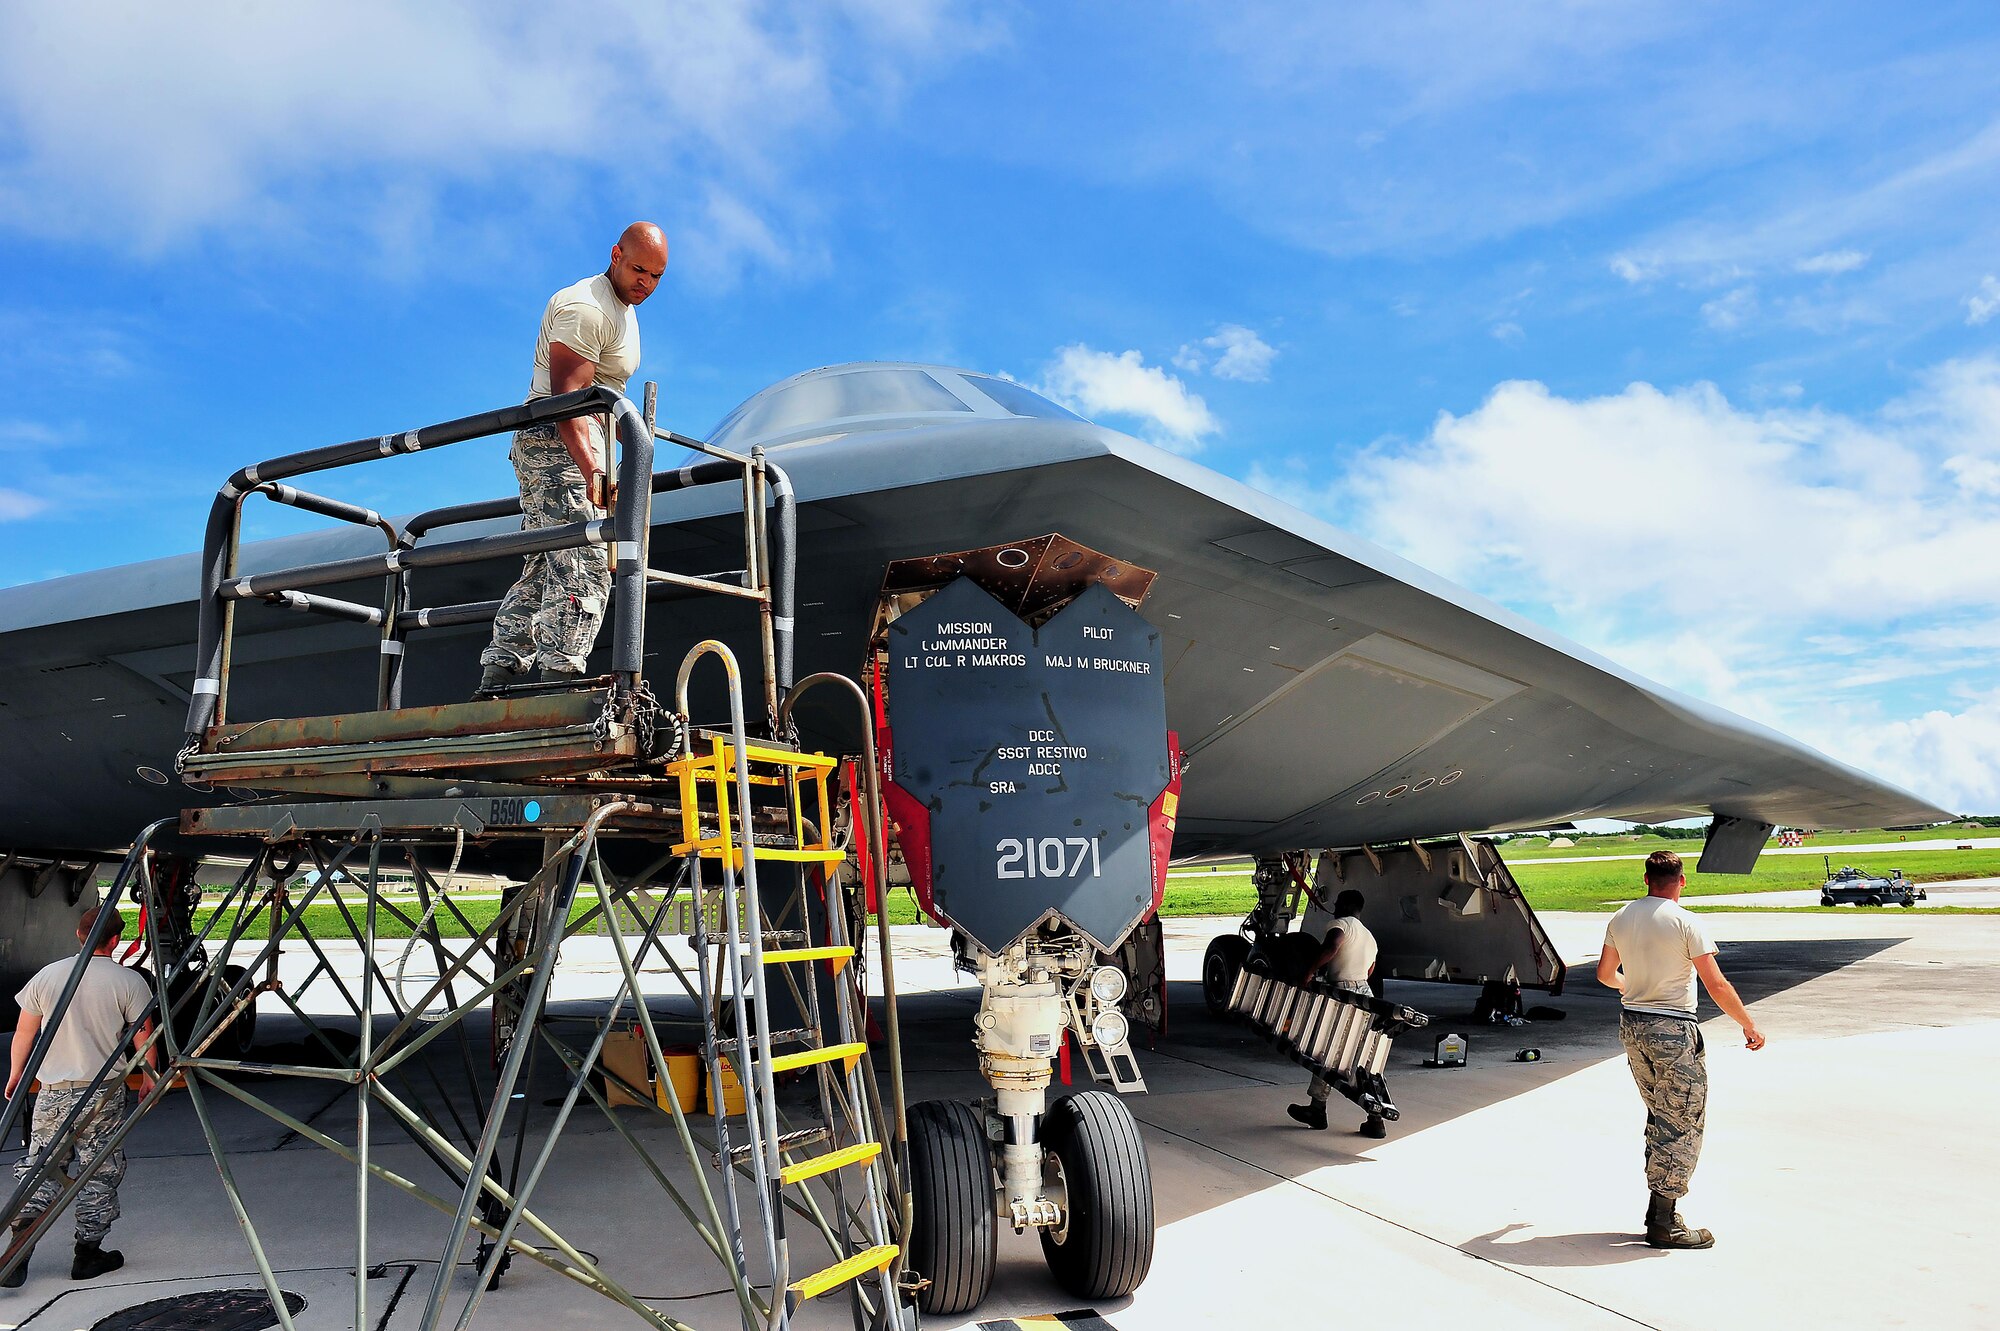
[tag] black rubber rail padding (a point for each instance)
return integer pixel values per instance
(952, 1227)
(482, 612)
(306, 602)
(338, 509)
(509, 506)
(784, 577)
(472, 550)
(1109, 1245)
(626, 528)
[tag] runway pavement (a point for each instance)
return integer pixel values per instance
(1844, 1174)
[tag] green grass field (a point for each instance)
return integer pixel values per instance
(1828, 842)
(1604, 885)
(323, 918)
(1589, 886)
(1592, 886)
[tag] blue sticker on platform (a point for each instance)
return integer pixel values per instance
(532, 810)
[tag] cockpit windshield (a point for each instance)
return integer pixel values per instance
(831, 397)
(1021, 401)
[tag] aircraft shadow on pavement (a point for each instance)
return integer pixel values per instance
(1559, 1249)
(1765, 968)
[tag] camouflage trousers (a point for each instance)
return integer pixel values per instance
(1666, 1058)
(550, 616)
(97, 1203)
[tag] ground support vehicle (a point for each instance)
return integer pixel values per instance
(1852, 887)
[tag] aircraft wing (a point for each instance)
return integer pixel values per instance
(1327, 692)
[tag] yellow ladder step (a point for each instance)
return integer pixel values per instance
(805, 1058)
(814, 1166)
(868, 1259)
(839, 956)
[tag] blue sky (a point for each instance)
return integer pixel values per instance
(1674, 326)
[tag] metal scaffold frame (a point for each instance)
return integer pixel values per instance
(676, 802)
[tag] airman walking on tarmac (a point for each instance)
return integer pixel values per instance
(1653, 950)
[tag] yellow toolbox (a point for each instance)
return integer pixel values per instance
(683, 1076)
(732, 1092)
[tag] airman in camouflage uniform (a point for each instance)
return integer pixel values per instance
(85, 1047)
(1653, 953)
(589, 337)
(552, 613)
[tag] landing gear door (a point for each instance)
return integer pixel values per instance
(1033, 756)
(1445, 911)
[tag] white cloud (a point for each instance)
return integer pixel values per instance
(1832, 263)
(159, 122)
(1933, 184)
(1838, 515)
(1798, 223)
(1984, 303)
(1231, 352)
(1634, 270)
(15, 505)
(1508, 332)
(1122, 384)
(30, 435)
(1728, 311)
(1978, 475)
(1805, 567)
(1950, 752)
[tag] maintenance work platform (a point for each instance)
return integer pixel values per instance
(613, 810)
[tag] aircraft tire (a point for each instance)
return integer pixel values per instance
(952, 1226)
(1105, 1245)
(1219, 969)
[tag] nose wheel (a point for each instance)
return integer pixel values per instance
(952, 1226)
(1104, 1245)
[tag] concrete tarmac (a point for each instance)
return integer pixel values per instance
(1846, 1171)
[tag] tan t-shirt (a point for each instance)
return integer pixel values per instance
(589, 319)
(106, 1002)
(1355, 960)
(1657, 944)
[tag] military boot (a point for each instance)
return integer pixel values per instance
(92, 1261)
(1312, 1113)
(555, 675)
(18, 1245)
(1666, 1229)
(497, 677)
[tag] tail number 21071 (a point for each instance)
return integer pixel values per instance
(1046, 857)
